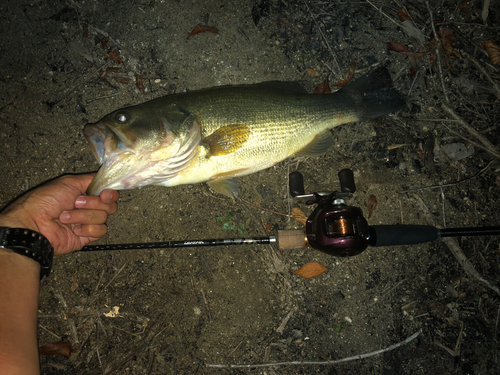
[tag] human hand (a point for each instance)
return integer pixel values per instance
(59, 211)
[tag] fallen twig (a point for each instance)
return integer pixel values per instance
(450, 184)
(304, 363)
(496, 86)
(455, 249)
(456, 351)
(486, 10)
(438, 56)
(490, 147)
(285, 320)
(386, 16)
(466, 264)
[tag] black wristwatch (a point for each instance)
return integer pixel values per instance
(29, 243)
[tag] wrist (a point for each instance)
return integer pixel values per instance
(13, 220)
(19, 263)
(28, 244)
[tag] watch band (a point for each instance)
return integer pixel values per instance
(31, 244)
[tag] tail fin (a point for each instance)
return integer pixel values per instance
(375, 94)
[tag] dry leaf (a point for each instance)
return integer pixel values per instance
(397, 47)
(348, 76)
(403, 15)
(463, 6)
(371, 204)
(323, 88)
(312, 73)
(74, 284)
(113, 55)
(122, 80)
(111, 69)
(138, 82)
(310, 270)
(104, 42)
(447, 39)
(493, 51)
(203, 29)
(62, 348)
(299, 216)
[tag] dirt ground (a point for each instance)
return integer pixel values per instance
(178, 311)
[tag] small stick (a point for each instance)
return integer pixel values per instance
(303, 363)
(285, 320)
(94, 298)
(489, 146)
(438, 56)
(473, 143)
(450, 184)
(389, 18)
(49, 331)
(97, 343)
(74, 333)
(444, 212)
(486, 10)
(486, 74)
(206, 305)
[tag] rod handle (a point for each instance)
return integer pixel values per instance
(291, 239)
(392, 235)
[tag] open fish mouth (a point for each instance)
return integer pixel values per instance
(127, 164)
(108, 148)
(103, 140)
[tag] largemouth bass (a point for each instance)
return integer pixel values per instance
(217, 134)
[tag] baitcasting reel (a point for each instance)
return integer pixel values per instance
(333, 227)
(341, 230)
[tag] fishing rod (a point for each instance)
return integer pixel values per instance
(333, 227)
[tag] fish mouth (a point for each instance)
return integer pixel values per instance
(108, 148)
(102, 140)
(126, 164)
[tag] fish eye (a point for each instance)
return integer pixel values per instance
(122, 118)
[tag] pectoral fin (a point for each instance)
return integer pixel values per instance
(227, 139)
(318, 146)
(226, 186)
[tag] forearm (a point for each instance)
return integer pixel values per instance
(20, 283)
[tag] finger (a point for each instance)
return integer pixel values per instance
(93, 231)
(109, 196)
(95, 203)
(83, 216)
(80, 181)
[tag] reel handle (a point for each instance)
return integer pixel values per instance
(346, 179)
(296, 184)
